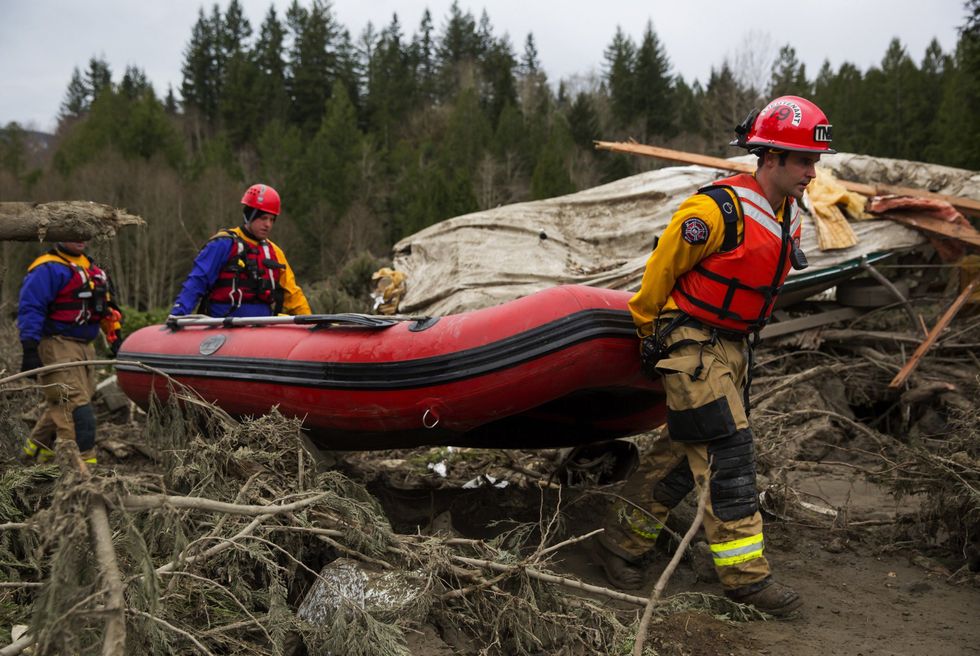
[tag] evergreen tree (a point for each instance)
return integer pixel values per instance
(620, 57)
(423, 59)
(77, 98)
(457, 52)
(529, 61)
(390, 84)
(957, 125)
(312, 62)
(499, 86)
(270, 87)
(653, 99)
(583, 121)
(134, 83)
(203, 66)
(840, 96)
(688, 101)
(726, 103)
(13, 149)
(788, 75)
(550, 177)
(894, 86)
(170, 102)
(98, 78)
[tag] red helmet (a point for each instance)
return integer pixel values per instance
(262, 197)
(786, 123)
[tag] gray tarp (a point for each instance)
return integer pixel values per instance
(603, 236)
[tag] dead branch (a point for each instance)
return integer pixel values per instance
(171, 627)
(18, 646)
(73, 220)
(149, 501)
(933, 335)
(225, 543)
(658, 589)
(551, 578)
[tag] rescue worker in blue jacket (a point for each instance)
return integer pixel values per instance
(708, 288)
(240, 272)
(65, 300)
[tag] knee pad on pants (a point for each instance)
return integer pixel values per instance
(733, 494)
(676, 485)
(84, 418)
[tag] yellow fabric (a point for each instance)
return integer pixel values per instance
(674, 257)
(829, 201)
(389, 289)
(80, 260)
(294, 301)
(738, 551)
(64, 389)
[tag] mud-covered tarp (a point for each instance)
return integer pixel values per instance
(603, 236)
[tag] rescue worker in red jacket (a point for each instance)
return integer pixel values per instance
(240, 272)
(708, 288)
(64, 300)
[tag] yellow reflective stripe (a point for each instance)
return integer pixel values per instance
(737, 551)
(92, 461)
(32, 449)
(644, 526)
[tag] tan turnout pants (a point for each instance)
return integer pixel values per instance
(707, 423)
(64, 389)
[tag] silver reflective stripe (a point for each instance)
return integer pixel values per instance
(758, 209)
(268, 256)
(764, 220)
(797, 218)
(756, 198)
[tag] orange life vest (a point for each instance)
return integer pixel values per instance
(735, 289)
(84, 298)
(250, 275)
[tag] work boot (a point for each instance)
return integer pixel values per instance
(622, 573)
(768, 596)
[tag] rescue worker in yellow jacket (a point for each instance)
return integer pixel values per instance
(708, 288)
(240, 272)
(65, 300)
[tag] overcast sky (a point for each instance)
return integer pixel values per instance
(42, 41)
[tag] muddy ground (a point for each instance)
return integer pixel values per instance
(865, 592)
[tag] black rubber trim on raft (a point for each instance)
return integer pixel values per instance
(422, 372)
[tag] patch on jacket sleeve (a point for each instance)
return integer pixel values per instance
(695, 231)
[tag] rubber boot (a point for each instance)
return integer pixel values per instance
(36, 453)
(621, 573)
(768, 596)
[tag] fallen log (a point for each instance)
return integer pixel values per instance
(968, 206)
(70, 220)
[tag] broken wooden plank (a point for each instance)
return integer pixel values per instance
(937, 227)
(72, 220)
(788, 326)
(913, 362)
(966, 205)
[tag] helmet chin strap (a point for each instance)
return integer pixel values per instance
(249, 213)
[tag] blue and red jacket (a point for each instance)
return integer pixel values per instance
(239, 276)
(63, 294)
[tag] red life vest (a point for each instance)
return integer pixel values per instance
(735, 289)
(250, 275)
(84, 298)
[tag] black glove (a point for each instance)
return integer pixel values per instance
(172, 322)
(31, 359)
(651, 352)
(114, 346)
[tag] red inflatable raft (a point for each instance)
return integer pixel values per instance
(559, 367)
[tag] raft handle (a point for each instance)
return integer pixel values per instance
(430, 411)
